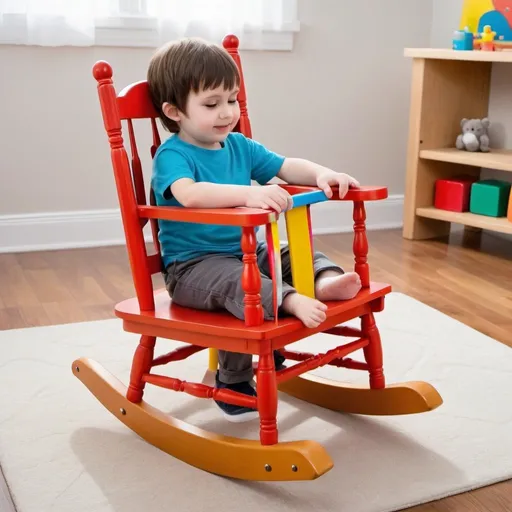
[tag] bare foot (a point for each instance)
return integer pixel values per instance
(310, 312)
(337, 286)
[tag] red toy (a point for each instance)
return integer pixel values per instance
(453, 194)
(151, 315)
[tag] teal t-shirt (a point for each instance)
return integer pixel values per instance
(239, 161)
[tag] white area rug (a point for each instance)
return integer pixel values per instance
(61, 451)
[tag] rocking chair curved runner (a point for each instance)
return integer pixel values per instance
(151, 314)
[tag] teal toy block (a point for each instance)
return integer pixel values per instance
(489, 197)
(462, 40)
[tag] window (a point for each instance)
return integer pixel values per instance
(259, 24)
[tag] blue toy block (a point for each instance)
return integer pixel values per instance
(463, 40)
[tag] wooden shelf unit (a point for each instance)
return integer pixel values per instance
(447, 86)
(447, 54)
(500, 159)
(500, 224)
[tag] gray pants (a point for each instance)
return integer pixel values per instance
(214, 282)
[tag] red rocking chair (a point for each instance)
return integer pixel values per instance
(152, 315)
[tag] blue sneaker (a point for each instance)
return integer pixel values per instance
(237, 413)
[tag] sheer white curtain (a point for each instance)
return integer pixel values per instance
(76, 22)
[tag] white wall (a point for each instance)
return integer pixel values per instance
(446, 16)
(341, 98)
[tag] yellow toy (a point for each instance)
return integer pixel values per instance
(487, 39)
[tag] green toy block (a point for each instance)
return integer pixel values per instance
(489, 197)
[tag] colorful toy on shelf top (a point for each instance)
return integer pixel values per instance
(487, 39)
(490, 197)
(474, 136)
(465, 193)
(502, 46)
(472, 11)
(463, 40)
(477, 15)
(453, 194)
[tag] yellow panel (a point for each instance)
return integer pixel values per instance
(213, 359)
(300, 251)
(472, 11)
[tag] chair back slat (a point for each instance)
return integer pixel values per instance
(138, 179)
(154, 224)
(134, 102)
(155, 263)
(244, 124)
(156, 137)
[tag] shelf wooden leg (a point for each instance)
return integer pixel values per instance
(420, 228)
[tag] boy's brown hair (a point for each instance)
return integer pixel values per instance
(180, 67)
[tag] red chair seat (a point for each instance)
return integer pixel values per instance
(169, 320)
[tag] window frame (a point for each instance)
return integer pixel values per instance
(134, 29)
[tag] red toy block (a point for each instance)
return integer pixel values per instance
(453, 194)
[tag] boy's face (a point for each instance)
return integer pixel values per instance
(211, 115)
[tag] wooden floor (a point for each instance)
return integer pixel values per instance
(469, 278)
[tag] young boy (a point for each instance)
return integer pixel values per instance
(194, 87)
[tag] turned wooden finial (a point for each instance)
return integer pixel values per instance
(230, 42)
(102, 70)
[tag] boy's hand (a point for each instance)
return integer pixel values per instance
(269, 197)
(330, 178)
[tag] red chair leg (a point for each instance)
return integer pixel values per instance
(251, 279)
(142, 361)
(373, 351)
(266, 388)
(361, 244)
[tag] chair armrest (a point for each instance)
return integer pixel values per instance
(248, 217)
(363, 193)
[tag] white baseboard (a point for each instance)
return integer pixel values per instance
(62, 230)
(96, 228)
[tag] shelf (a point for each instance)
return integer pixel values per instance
(499, 159)
(500, 224)
(447, 54)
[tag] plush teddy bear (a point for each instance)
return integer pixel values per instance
(474, 136)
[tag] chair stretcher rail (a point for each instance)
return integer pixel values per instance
(321, 359)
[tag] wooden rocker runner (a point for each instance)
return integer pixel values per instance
(152, 315)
